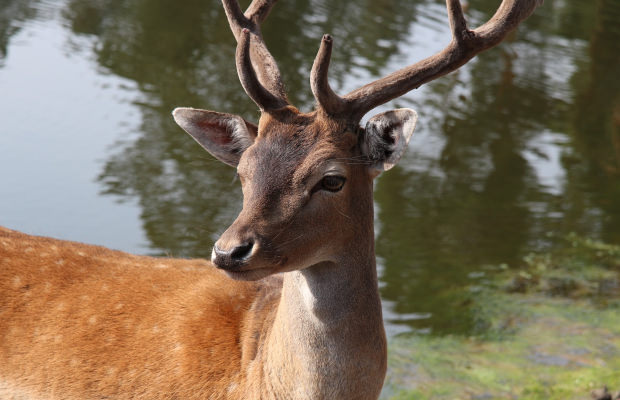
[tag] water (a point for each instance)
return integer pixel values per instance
(511, 153)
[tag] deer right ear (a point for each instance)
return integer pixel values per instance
(386, 137)
(225, 136)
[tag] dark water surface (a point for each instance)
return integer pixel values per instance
(511, 153)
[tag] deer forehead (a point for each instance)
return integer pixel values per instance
(292, 152)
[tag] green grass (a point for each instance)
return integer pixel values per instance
(552, 331)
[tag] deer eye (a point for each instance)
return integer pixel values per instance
(331, 183)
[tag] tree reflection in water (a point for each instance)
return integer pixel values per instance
(12, 14)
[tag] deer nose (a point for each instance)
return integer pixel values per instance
(233, 257)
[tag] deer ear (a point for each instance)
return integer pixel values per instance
(386, 136)
(225, 136)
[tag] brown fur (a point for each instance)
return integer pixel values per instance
(80, 321)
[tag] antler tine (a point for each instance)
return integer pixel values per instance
(258, 62)
(458, 25)
(236, 18)
(465, 45)
(259, 10)
(326, 99)
(248, 78)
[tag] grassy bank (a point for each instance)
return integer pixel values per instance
(550, 329)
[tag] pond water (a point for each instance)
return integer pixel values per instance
(514, 151)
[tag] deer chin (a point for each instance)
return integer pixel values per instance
(261, 269)
(253, 269)
(251, 274)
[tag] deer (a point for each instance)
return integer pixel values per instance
(288, 306)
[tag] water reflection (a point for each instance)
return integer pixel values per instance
(493, 205)
(595, 127)
(490, 204)
(12, 14)
(513, 151)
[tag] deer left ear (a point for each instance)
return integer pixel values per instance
(225, 136)
(386, 137)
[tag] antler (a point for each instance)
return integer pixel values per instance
(256, 67)
(465, 45)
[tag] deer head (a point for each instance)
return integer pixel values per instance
(307, 177)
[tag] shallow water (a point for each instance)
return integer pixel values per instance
(514, 151)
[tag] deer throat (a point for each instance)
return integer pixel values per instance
(328, 334)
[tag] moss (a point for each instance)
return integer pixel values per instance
(557, 337)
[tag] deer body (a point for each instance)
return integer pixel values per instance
(106, 324)
(301, 316)
(79, 321)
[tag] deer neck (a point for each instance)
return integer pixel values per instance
(328, 331)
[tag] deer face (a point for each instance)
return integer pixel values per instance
(306, 181)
